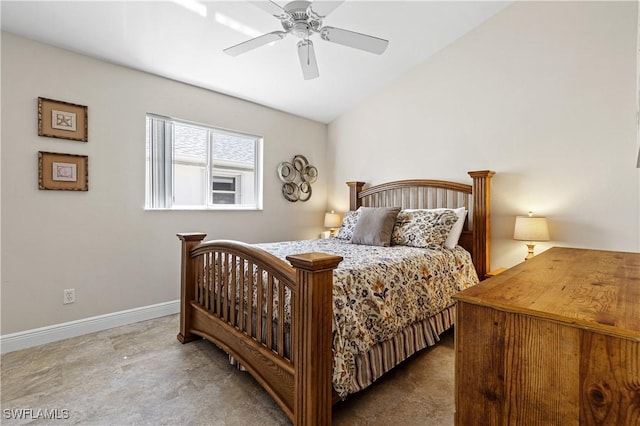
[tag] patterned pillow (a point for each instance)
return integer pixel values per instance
(349, 221)
(454, 236)
(423, 228)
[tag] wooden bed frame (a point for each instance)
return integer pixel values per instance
(299, 378)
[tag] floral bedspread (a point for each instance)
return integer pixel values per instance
(378, 291)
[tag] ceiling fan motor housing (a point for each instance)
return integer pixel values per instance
(297, 9)
(300, 21)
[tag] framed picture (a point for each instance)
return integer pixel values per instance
(57, 119)
(67, 172)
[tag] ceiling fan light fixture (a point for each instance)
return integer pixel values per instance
(300, 30)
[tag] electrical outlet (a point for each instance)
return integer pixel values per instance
(69, 296)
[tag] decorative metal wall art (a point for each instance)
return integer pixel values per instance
(297, 177)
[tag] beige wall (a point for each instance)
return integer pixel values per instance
(102, 243)
(544, 94)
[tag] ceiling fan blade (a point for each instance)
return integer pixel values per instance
(248, 45)
(323, 8)
(271, 8)
(352, 39)
(308, 59)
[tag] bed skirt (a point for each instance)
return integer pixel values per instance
(383, 356)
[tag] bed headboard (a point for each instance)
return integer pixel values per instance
(430, 194)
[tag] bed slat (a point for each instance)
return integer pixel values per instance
(225, 287)
(232, 288)
(281, 322)
(199, 280)
(260, 305)
(241, 308)
(269, 316)
(250, 286)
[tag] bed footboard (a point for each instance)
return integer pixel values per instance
(274, 318)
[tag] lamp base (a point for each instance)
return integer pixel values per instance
(530, 254)
(333, 232)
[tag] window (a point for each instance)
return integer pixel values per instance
(224, 190)
(194, 166)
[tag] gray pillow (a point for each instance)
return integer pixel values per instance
(375, 226)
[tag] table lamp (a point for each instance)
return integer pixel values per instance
(332, 220)
(530, 229)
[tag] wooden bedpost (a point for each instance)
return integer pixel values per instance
(312, 338)
(481, 253)
(187, 280)
(354, 190)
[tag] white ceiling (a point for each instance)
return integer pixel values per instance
(168, 39)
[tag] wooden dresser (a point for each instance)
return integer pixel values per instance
(552, 341)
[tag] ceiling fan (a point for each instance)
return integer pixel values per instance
(304, 19)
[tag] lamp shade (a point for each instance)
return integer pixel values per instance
(332, 220)
(531, 229)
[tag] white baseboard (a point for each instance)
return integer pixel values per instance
(39, 336)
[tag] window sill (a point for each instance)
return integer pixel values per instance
(199, 208)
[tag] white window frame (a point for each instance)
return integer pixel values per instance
(160, 162)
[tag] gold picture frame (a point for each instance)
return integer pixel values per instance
(64, 120)
(66, 172)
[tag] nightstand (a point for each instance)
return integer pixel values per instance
(495, 272)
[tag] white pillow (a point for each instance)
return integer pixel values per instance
(454, 235)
